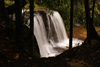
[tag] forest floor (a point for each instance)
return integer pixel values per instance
(86, 55)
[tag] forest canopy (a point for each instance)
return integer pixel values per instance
(63, 6)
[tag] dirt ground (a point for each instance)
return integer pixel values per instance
(86, 55)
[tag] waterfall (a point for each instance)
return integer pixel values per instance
(50, 33)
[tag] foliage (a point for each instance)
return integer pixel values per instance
(36, 54)
(27, 5)
(97, 14)
(8, 2)
(79, 12)
(35, 5)
(63, 6)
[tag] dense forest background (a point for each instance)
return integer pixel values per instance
(64, 8)
(17, 42)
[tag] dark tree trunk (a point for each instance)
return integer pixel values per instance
(71, 25)
(92, 29)
(31, 26)
(19, 24)
(93, 10)
(91, 32)
(3, 13)
(87, 11)
(11, 9)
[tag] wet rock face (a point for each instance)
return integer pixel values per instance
(45, 14)
(44, 17)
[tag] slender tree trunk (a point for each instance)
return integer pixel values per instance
(31, 25)
(71, 25)
(3, 13)
(87, 11)
(93, 32)
(11, 9)
(19, 24)
(93, 10)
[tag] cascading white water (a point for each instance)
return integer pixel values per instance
(46, 47)
(52, 40)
